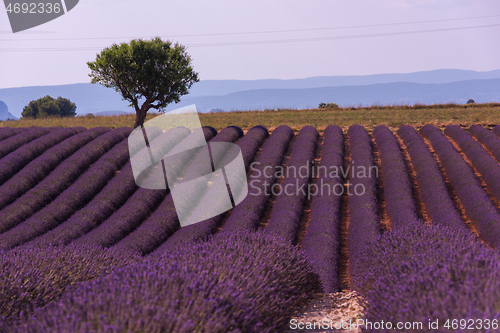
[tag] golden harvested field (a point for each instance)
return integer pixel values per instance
(392, 116)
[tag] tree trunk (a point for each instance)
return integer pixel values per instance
(140, 116)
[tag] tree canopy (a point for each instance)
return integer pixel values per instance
(48, 106)
(154, 73)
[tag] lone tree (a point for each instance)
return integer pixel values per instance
(153, 72)
(48, 106)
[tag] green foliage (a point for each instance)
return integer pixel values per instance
(328, 106)
(48, 106)
(153, 72)
(471, 101)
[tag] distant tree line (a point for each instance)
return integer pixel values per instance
(48, 106)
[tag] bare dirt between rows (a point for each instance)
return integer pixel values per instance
(343, 268)
(456, 201)
(329, 309)
(385, 222)
(412, 176)
(306, 210)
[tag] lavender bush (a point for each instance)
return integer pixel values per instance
(419, 273)
(397, 189)
(476, 202)
(438, 203)
(321, 244)
(242, 282)
(34, 276)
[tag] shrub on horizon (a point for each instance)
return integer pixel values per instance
(47, 107)
(328, 106)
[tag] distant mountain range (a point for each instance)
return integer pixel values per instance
(398, 93)
(111, 113)
(4, 112)
(430, 87)
(224, 87)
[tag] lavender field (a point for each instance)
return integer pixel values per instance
(409, 220)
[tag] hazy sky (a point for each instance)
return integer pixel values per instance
(281, 39)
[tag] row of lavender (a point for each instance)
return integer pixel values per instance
(480, 159)
(17, 159)
(158, 227)
(438, 204)
(13, 142)
(287, 209)
(478, 206)
(45, 191)
(465, 285)
(488, 139)
(398, 194)
(248, 213)
(249, 145)
(7, 132)
(321, 244)
(364, 223)
(40, 167)
(73, 198)
(412, 248)
(110, 203)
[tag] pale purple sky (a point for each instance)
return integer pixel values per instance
(348, 37)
